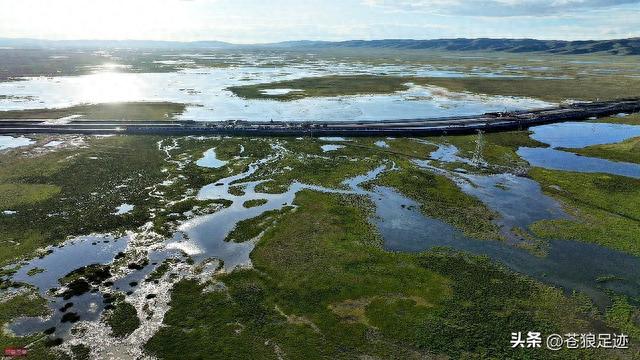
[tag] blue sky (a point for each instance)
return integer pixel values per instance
(254, 21)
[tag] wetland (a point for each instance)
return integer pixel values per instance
(440, 247)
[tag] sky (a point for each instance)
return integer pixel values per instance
(262, 21)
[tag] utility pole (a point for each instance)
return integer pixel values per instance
(477, 155)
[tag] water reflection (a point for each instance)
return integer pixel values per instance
(44, 273)
(561, 160)
(10, 142)
(581, 134)
(210, 160)
(331, 147)
(520, 202)
(206, 93)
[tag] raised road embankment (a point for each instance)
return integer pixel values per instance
(405, 127)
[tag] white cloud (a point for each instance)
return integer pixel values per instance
(250, 21)
(499, 8)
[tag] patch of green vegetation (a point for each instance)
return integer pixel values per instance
(83, 280)
(632, 119)
(83, 189)
(322, 288)
(440, 198)
(604, 208)
(624, 316)
(626, 151)
(249, 229)
(105, 111)
(160, 271)
(208, 324)
(13, 195)
(537, 247)
(304, 162)
(410, 147)
(35, 271)
(608, 278)
(314, 258)
(94, 273)
(81, 352)
(463, 328)
(236, 190)
(123, 318)
(29, 304)
(334, 85)
(498, 150)
(254, 203)
(579, 88)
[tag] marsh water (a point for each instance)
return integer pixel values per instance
(562, 160)
(577, 135)
(519, 201)
(210, 160)
(11, 142)
(44, 273)
(205, 91)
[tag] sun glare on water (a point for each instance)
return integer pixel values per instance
(108, 87)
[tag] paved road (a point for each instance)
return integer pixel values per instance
(408, 127)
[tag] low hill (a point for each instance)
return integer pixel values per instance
(629, 46)
(615, 47)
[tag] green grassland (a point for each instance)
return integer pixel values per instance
(581, 88)
(632, 119)
(324, 86)
(498, 150)
(323, 288)
(18, 63)
(250, 229)
(74, 191)
(25, 304)
(555, 90)
(624, 316)
(626, 151)
(440, 198)
(305, 162)
(604, 208)
(123, 319)
(12, 195)
(106, 111)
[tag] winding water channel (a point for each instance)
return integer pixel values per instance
(518, 200)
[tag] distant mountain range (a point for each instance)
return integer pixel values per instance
(629, 46)
(616, 47)
(110, 44)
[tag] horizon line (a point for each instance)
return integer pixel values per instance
(303, 40)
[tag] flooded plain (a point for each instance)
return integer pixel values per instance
(44, 274)
(204, 239)
(81, 278)
(577, 135)
(11, 142)
(205, 91)
(582, 134)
